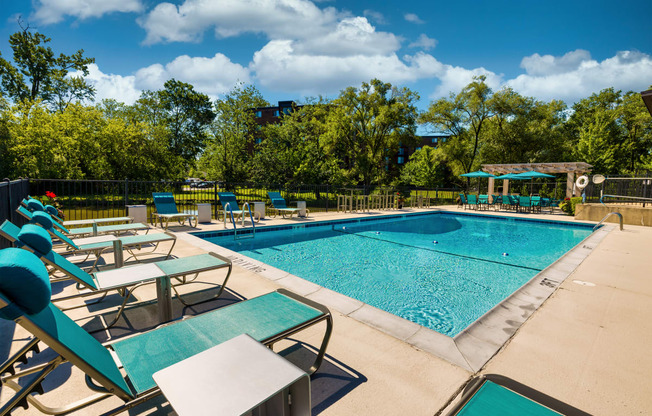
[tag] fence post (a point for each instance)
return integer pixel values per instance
(126, 192)
(215, 200)
(327, 197)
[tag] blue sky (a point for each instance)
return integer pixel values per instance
(291, 49)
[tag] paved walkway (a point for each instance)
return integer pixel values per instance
(587, 344)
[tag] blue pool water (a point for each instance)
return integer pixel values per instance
(442, 270)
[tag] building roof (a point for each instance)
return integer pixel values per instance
(556, 167)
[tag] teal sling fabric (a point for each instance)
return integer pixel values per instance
(164, 202)
(262, 318)
(180, 266)
(494, 400)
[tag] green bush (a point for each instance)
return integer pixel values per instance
(568, 205)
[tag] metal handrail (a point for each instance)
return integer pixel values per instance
(609, 215)
(251, 217)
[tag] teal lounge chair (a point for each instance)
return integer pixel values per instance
(495, 395)
(166, 209)
(94, 230)
(125, 279)
(231, 210)
(124, 368)
(98, 245)
(279, 205)
(510, 202)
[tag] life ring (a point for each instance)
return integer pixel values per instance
(582, 181)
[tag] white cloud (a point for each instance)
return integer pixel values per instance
(575, 75)
(274, 18)
(353, 36)
(212, 76)
(413, 18)
(547, 64)
(53, 11)
(279, 66)
(424, 42)
(118, 87)
(376, 17)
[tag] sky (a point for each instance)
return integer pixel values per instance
(293, 49)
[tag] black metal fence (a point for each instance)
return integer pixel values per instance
(627, 190)
(81, 199)
(11, 193)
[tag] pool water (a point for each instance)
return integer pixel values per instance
(442, 271)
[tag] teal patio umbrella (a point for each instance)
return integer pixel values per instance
(478, 174)
(532, 174)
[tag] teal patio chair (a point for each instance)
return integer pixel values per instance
(463, 201)
(166, 209)
(125, 279)
(96, 246)
(524, 204)
(473, 201)
(124, 368)
(495, 395)
(510, 202)
(93, 230)
(280, 206)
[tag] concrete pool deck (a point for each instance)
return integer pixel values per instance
(585, 345)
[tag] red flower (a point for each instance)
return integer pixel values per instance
(50, 194)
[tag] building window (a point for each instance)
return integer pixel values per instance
(434, 140)
(287, 110)
(418, 148)
(401, 151)
(401, 160)
(276, 113)
(258, 140)
(259, 114)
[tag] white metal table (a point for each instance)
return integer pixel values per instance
(238, 377)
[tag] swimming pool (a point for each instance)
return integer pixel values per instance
(440, 270)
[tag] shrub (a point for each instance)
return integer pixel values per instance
(568, 205)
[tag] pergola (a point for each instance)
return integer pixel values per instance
(571, 169)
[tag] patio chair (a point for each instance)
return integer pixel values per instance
(125, 279)
(510, 202)
(24, 298)
(496, 202)
(473, 201)
(494, 395)
(98, 245)
(166, 209)
(54, 213)
(524, 204)
(463, 201)
(280, 206)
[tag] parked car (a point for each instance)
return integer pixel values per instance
(203, 185)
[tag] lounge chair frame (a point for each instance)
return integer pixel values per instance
(107, 387)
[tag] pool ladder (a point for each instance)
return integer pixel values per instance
(620, 216)
(227, 208)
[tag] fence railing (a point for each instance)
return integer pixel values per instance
(623, 188)
(81, 199)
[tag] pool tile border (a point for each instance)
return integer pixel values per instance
(474, 346)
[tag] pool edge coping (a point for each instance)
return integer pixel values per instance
(472, 347)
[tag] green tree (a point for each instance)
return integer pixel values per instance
(365, 127)
(234, 129)
(594, 145)
(187, 114)
(426, 168)
(291, 152)
(463, 116)
(36, 73)
(524, 130)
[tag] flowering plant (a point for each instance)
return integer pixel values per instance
(54, 201)
(399, 199)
